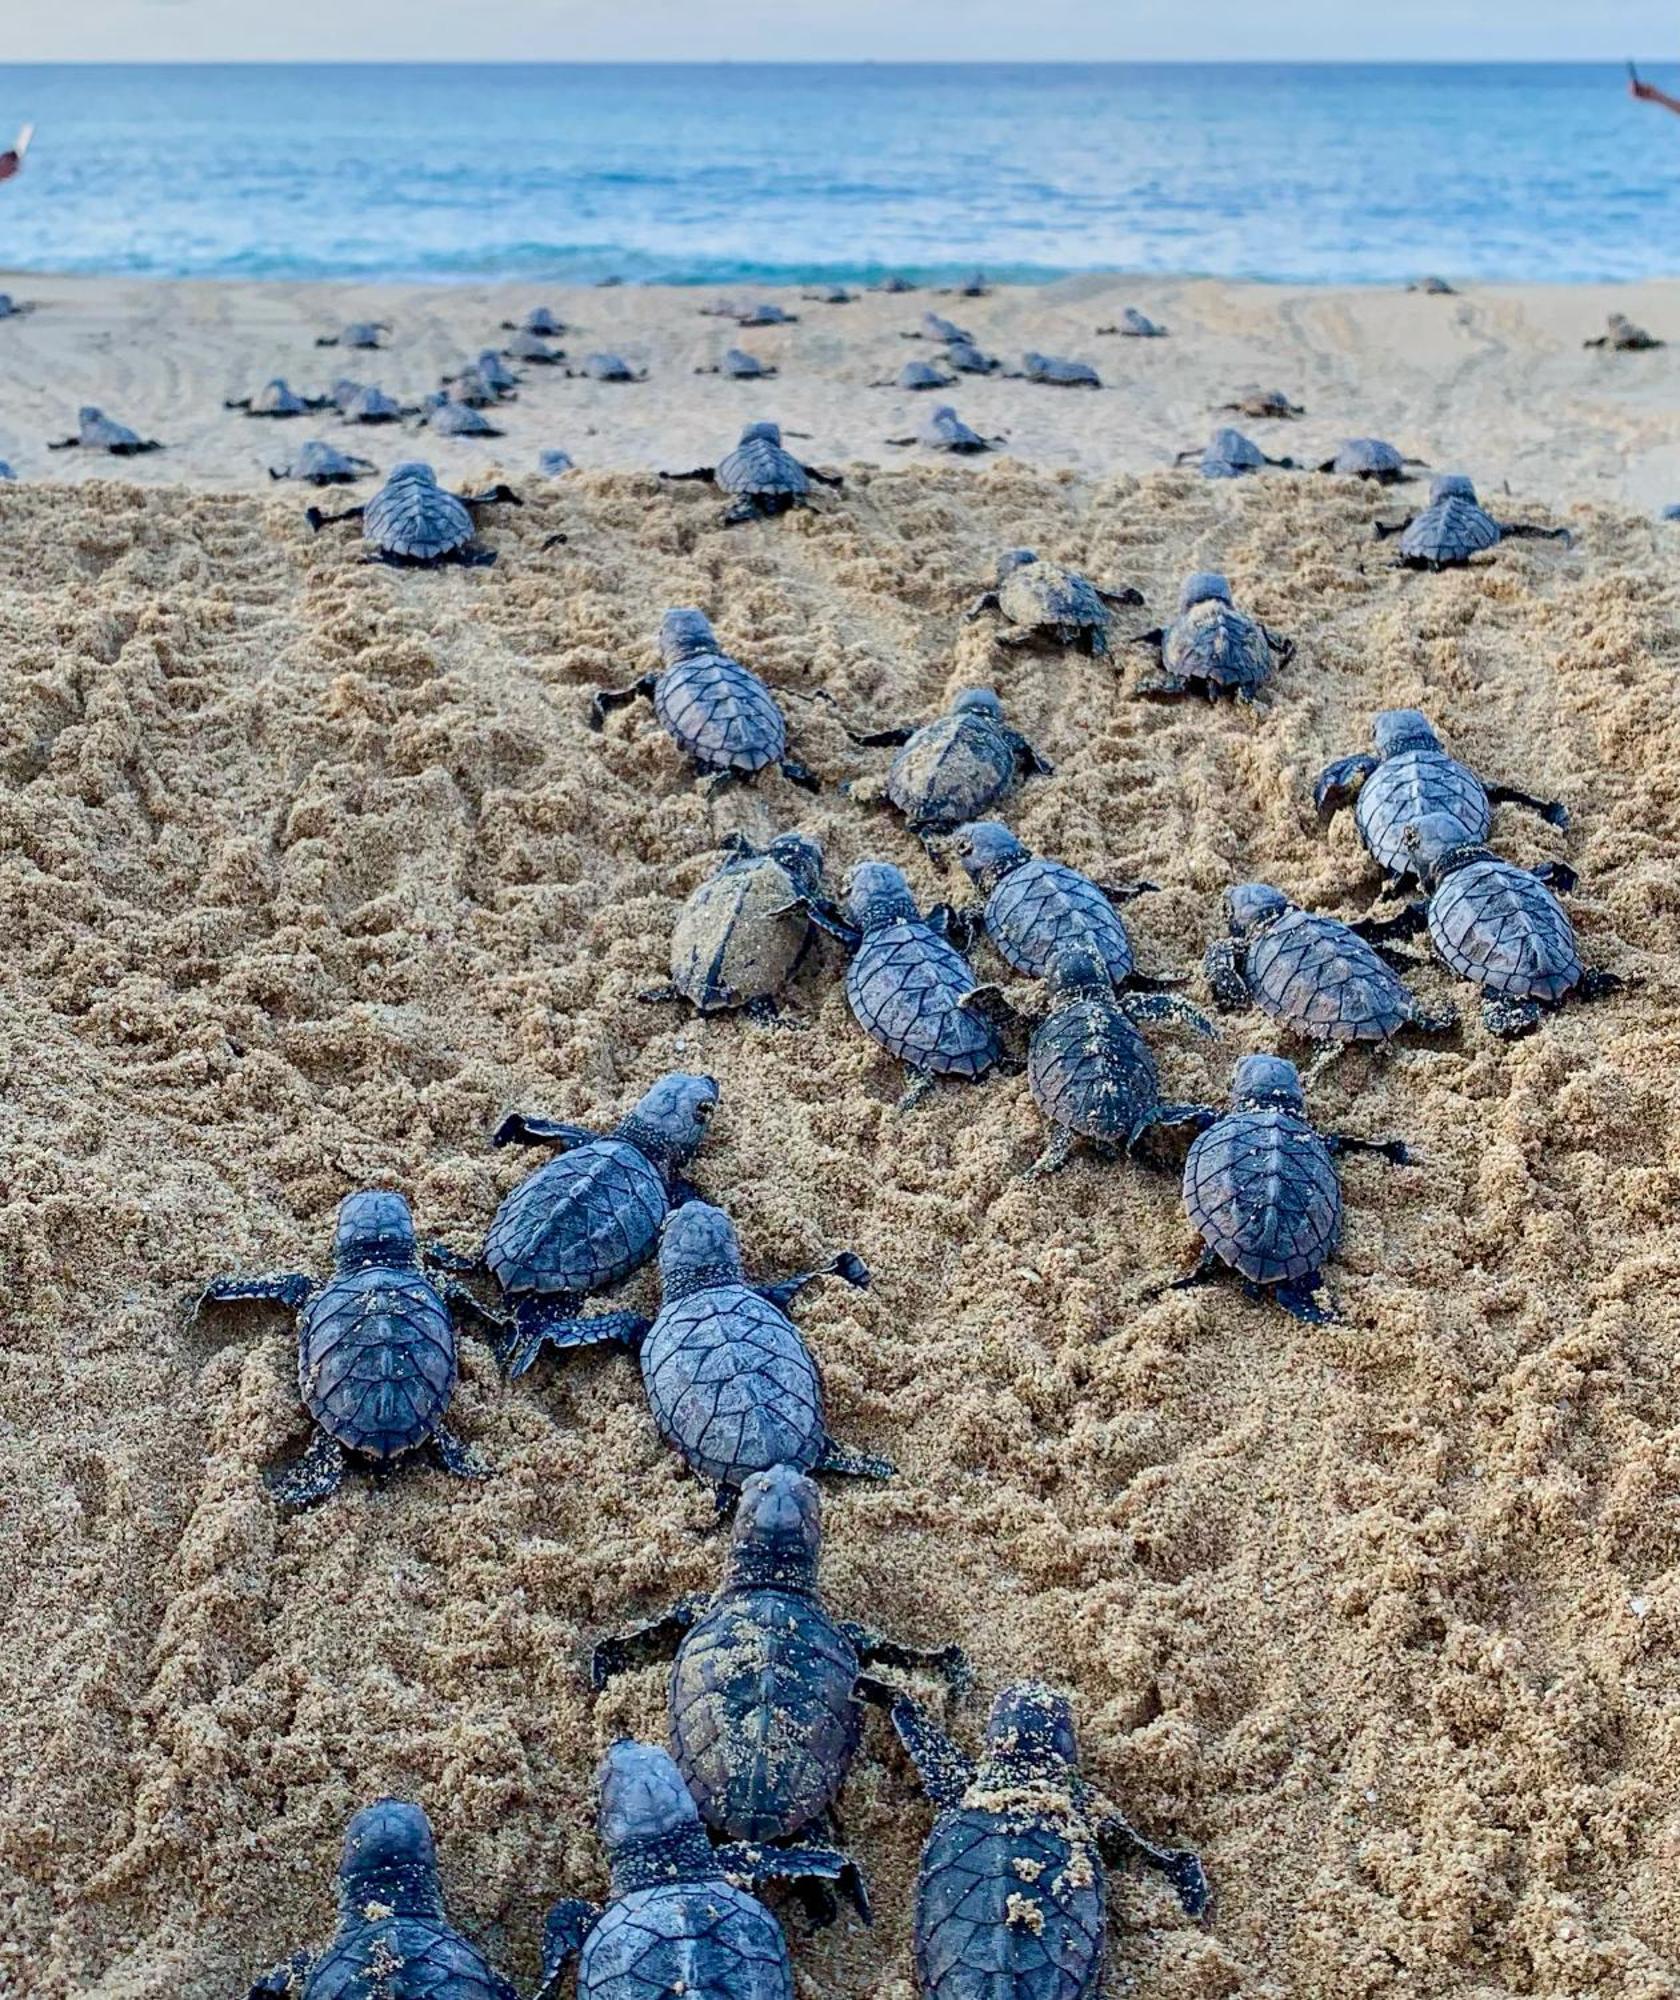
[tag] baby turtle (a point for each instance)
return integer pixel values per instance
(1043, 602)
(764, 314)
(916, 375)
(1135, 326)
(359, 333)
(1454, 527)
(943, 430)
(677, 1923)
(344, 392)
(830, 295)
(11, 308)
(491, 370)
(608, 368)
(892, 282)
(761, 478)
(1260, 1187)
(911, 990)
(951, 769)
(765, 1717)
(1255, 402)
(1011, 1895)
(554, 461)
(1058, 371)
(394, 1934)
(935, 327)
(731, 1384)
(321, 464)
(1212, 647)
(1317, 977)
(967, 359)
(471, 388)
(1438, 287)
(278, 399)
(414, 523)
(376, 1348)
(98, 432)
(975, 286)
(1229, 455)
(717, 712)
(371, 405)
(743, 934)
(739, 366)
(452, 419)
(1497, 925)
(1408, 777)
(1623, 336)
(533, 350)
(1370, 458)
(1088, 1067)
(540, 321)
(6, 471)
(1034, 907)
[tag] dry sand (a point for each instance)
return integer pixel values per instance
(310, 870)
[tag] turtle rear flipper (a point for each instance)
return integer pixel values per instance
(456, 1456)
(314, 1478)
(847, 1464)
(569, 1923)
(1118, 1840)
(946, 1772)
(806, 1866)
(540, 1323)
(658, 1639)
(289, 1977)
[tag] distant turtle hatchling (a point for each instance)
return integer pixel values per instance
(533, 350)
(1256, 402)
(492, 371)
(935, 326)
(414, 523)
(916, 375)
(950, 770)
(764, 314)
(11, 308)
(1624, 337)
(371, 405)
(97, 432)
(892, 282)
(359, 333)
(318, 463)
(1135, 326)
(1058, 372)
(552, 462)
(538, 321)
(739, 366)
(967, 359)
(1370, 458)
(1438, 287)
(605, 367)
(760, 476)
(1211, 647)
(452, 419)
(1041, 602)
(1454, 527)
(1229, 455)
(943, 430)
(830, 295)
(278, 399)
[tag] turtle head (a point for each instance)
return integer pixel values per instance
(1077, 970)
(698, 1248)
(374, 1227)
(669, 1123)
(778, 1530)
(685, 633)
(1013, 559)
(979, 701)
(876, 893)
(800, 859)
(1207, 586)
(1398, 729)
(390, 1860)
(90, 413)
(988, 851)
(413, 470)
(770, 433)
(1029, 1733)
(1451, 486)
(1262, 1080)
(641, 1798)
(1250, 904)
(1435, 845)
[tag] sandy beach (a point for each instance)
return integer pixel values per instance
(310, 871)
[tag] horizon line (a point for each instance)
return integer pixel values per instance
(831, 62)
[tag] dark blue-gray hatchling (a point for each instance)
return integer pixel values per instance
(716, 711)
(1321, 979)
(1034, 907)
(678, 1921)
(414, 523)
(943, 430)
(1454, 527)
(359, 333)
(1211, 648)
(912, 991)
(97, 432)
(278, 399)
(1011, 1893)
(1497, 925)
(395, 1940)
(592, 1216)
(951, 769)
(1057, 371)
(1408, 777)
(1261, 1188)
(1042, 602)
(1374, 459)
(766, 1684)
(1229, 455)
(318, 463)
(1136, 326)
(761, 476)
(540, 321)
(376, 1348)
(732, 1386)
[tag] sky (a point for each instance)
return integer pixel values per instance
(830, 30)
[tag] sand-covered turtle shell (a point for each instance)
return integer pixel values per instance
(412, 518)
(582, 1221)
(1407, 787)
(952, 769)
(759, 466)
(739, 936)
(1042, 595)
(1500, 926)
(1324, 981)
(1368, 458)
(1218, 646)
(1091, 1072)
(721, 713)
(1262, 1188)
(385, 1955)
(376, 1359)
(704, 1940)
(1449, 532)
(1040, 906)
(904, 983)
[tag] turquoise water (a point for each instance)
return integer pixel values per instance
(709, 175)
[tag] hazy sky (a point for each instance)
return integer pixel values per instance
(826, 30)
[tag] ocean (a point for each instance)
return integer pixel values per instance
(710, 175)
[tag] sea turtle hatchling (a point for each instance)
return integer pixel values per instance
(359, 333)
(344, 392)
(967, 359)
(717, 712)
(677, 1920)
(371, 405)
(916, 375)
(830, 295)
(1041, 602)
(1624, 337)
(533, 350)
(1370, 458)
(278, 399)
(731, 1384)
(764, 1705)
(552, 462)
(1229, 455)
(1033, 906)
(1408, 776)
(943, 430)
(376, 1348)
(6, 471)
(97, 432)
(743, 934)
(605, 367)
(892, 281)
(1260, 1188)
(1319, 978)
(318, 463)
(1454, 527)
(473, 388)
(1011, 1894)
(1135, 325)
(1497, 925)
(911, 990)
(1436, 287)
(739, 366)
(761, 477)
(414, 523)
(452, 419)
(11, 308)
(1057, 371)
(764, 314)
(950, 770)
(935, 326)
(539, 321)
(1257, 402)
(1088, 1066)
(492, 370)
(1211, 647)
(394, 1934)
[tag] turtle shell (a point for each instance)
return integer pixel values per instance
(704, 1940)
(416, 521)
(732, 1385)
(739, 936)
(376, 1359)
(323, 464)
(1229, 455)
(422, 1958)
(459, 419)
(582, 1221)
(722, 715)
(1043, 593)
(764, 1723)
(1219, 646)
(1261, 1187)
(1368, 458)
(98, 432)
(1324, 981)
(1009, 1906)
(1501, 927)
(608, 368)
(922, 375)
(1041, 906)
(904, 983)
(944, 430)
(1403, 788)
(1059, 372)
(372, 406)
(758, 465)
(277, 399)
(1091, 1072)
(1450, 532)
(951, 770)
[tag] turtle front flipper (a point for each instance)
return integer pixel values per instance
(1222, 967)
(1533, 532)
(469, 1306)
(569, 1924)
(799, 774)
(1338, 784)
(874, 1649)
(1128, 890)
(456, 1456)
(1381, 531)
(986, 601)
(756, 1865)
(1185, 1122)
(1553, 811)
(1392, 1150)
(529, 1128)
(1299, 1297)
(656, 1640)
(1118, 1840)
(314, 1478)
(946, 1771)
(282, 1288)
(540, 1323)
(706, 474)
(1055, 1156)
(845, 1264)
(1380, 930)
(289, 1977)
(440, 1257)
(1028, 758)
(823, 478)
(1556, 875)
(604, 700)
(847, 1464)
(1168, 1007)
